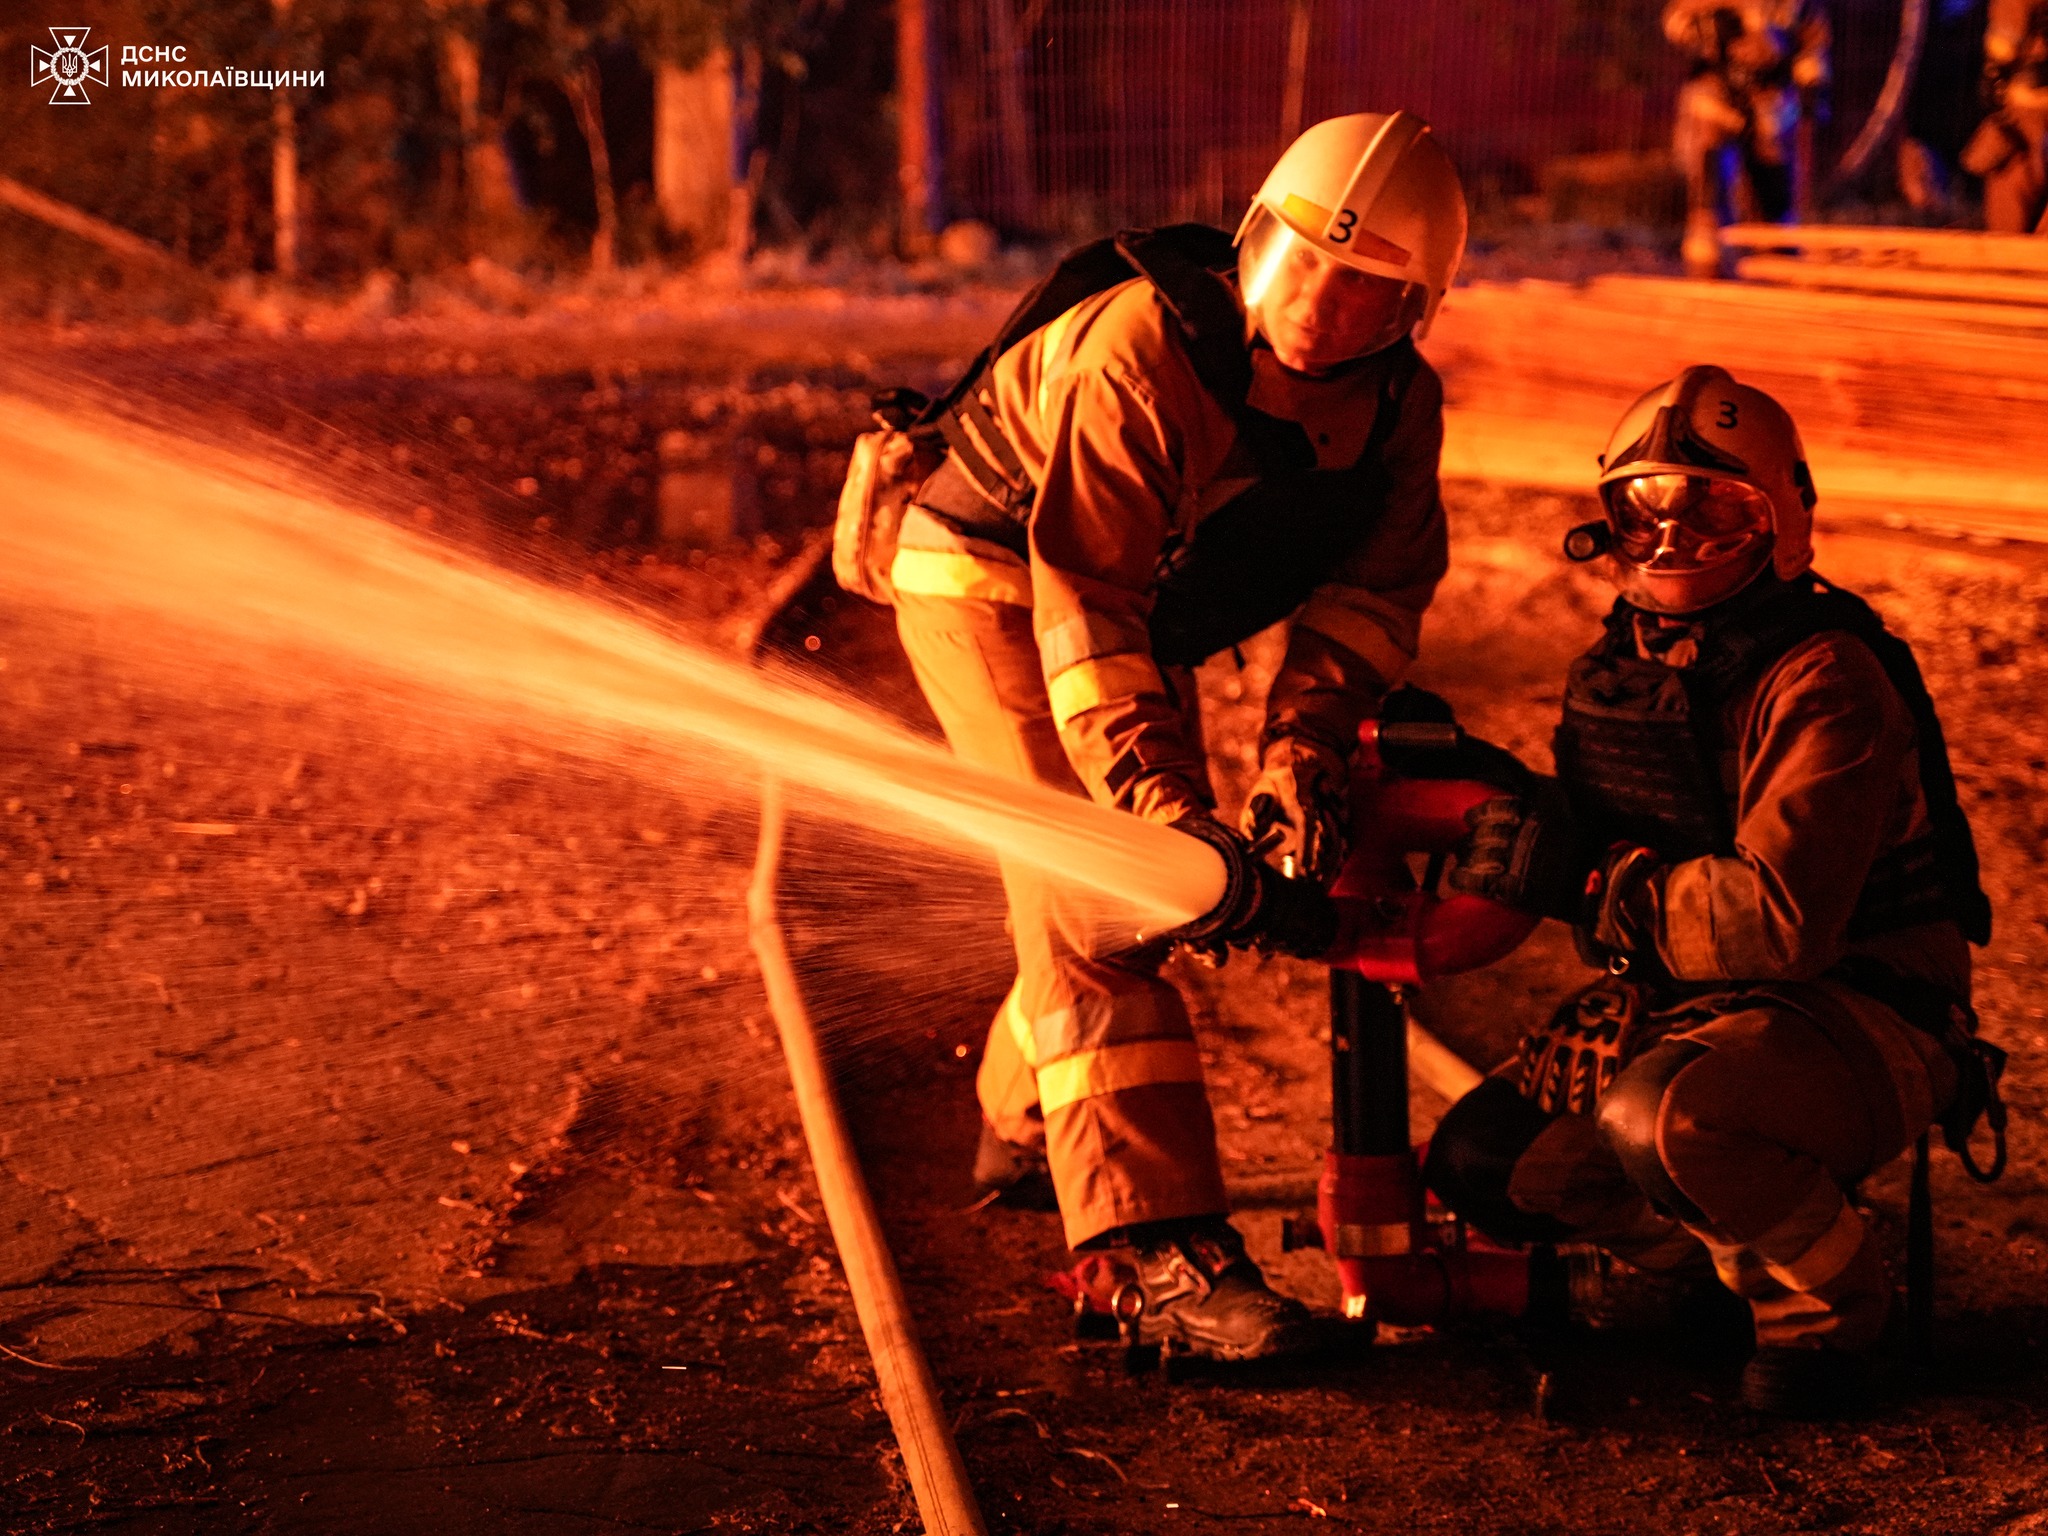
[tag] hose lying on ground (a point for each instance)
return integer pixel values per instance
(938, 1479)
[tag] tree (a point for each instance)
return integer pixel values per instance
(563, 40)
(489, 199)
(687, 42)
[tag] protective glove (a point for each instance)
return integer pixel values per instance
(1299, 808)
(1525, 851)
(1261, 908)
(1619, 919)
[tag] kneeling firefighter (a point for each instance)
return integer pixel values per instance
(1756, 834)
(1177, 441)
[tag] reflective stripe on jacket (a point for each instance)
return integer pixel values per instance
(1127, 450)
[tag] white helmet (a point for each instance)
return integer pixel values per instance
(1705, 485)
(1369, 194)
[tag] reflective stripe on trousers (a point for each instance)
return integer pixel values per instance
(1097, 1056)
(1795, 1096)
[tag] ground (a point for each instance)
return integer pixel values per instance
(395, 1139)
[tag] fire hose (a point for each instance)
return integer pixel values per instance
(1394, 1263)
(1399, 1259)
(910, 1396)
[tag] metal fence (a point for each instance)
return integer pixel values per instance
(1072, 116)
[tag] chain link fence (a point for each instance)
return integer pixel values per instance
(1069, 117)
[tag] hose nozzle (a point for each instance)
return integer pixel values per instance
(1261, 908)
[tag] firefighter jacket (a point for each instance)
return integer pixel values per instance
(1129, 454)
(1754, 45)
(1832, 843)
(2016, 55)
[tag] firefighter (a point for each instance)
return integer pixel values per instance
(1165, 468)
(1756, 68)
(2010, 148)
(1755, 829)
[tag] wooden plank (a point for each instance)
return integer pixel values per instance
(1908, 406)
(1999, 287)
(1957, 249)
(1622, 304)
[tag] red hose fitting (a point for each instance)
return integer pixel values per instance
(1390, 929)
(1393, 1265)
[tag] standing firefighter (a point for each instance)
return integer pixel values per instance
(1757, 68)
(1173, 445)
(1756, 833)
(2010, 148)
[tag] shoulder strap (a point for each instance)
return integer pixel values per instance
(1955, 845)
(1404, 363)
(1081, 274)
(1186, 264)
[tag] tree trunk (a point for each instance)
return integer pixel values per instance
(236, 254)
(284, 173)
(919, 156)
(1020, 196)
(488, 195)
(693, 151)
(746, 156)
(1294, 94)
(588, 102)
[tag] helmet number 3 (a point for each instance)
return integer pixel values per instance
(1727, 418)
(1347, 221)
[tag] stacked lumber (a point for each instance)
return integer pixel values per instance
(1934, 263)
(1912, 409)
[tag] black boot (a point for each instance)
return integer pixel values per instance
(1007, 1174)
(1196, 1289)
(1806, 1383)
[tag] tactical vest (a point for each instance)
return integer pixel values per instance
(1255, 559)
(1641, 747)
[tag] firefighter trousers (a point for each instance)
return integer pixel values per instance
(1094, 1059)
(1737, 1137)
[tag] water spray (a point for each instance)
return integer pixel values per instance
(206, 550)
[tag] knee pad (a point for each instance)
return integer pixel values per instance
(1627, 1118)
(1472, 1157)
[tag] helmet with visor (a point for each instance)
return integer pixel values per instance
(1705, 486)
(1352, 241)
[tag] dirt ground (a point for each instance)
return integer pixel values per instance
(394, 1139)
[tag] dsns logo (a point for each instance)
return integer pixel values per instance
(69, 67)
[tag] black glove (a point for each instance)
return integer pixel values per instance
(1619, 921)
(1261, 908)
(1524, 851)
(1300, 807)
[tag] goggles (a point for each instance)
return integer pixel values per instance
(1680, 522)
(1307, 301)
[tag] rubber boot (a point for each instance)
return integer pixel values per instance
(1195, 1289)
(1792, 1383)
(1007, 1174)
